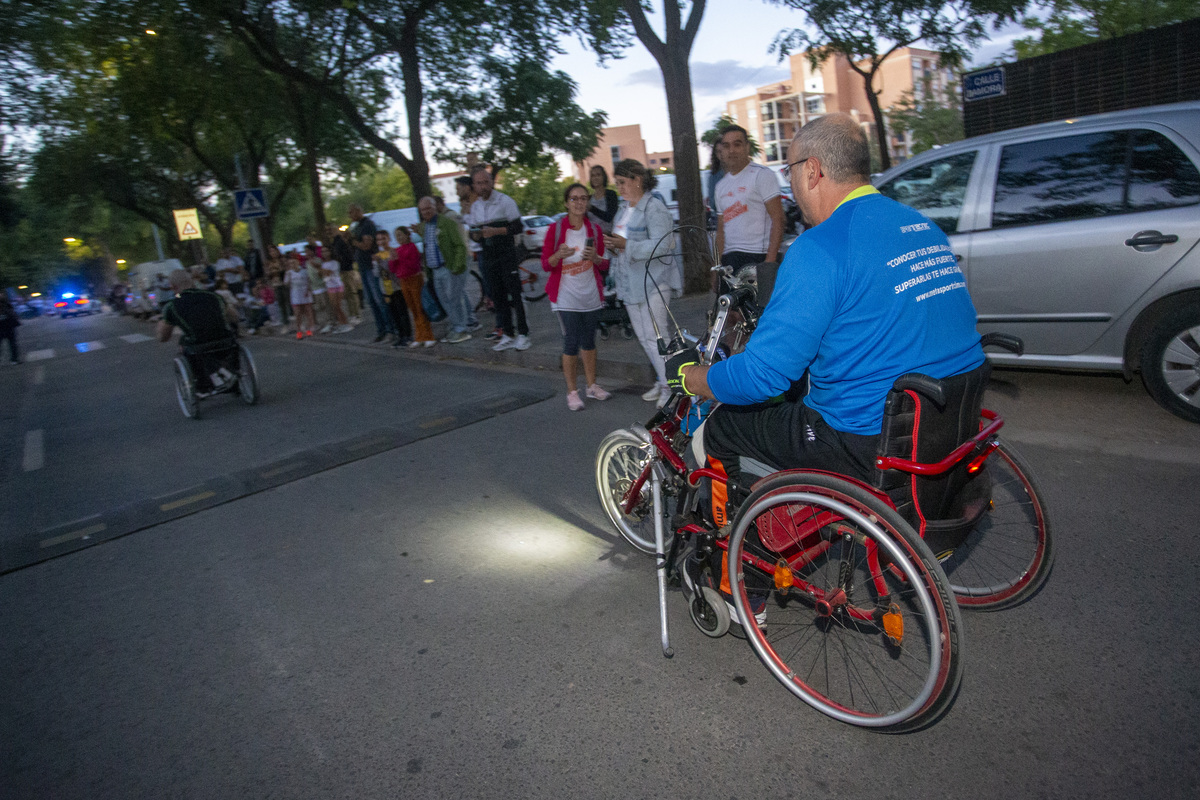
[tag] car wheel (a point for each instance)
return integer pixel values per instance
(1171, 362)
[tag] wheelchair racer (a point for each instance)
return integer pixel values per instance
(870, 292)
(202, 317)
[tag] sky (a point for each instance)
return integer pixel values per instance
(729, 59)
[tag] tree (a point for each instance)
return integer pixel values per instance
(866, 32)
(932, 120)
(1072, 23)
(537, 190)
(672, 55)
(450, 44)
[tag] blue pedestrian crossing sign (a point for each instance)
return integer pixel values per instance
(250, 203)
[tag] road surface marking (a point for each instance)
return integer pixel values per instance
(35, 453)
(368, 443)
(186, 501)
(87, 347)
(82, 533)
(134, 338)
(39, 375)
(434, 423)
(271, 473)
(38, 355)
(497, 403)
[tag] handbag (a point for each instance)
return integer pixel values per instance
(430, 303)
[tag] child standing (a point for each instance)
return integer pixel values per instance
(406, 266)
(301, 296)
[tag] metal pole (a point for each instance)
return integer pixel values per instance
(255, 235)
(157, 241)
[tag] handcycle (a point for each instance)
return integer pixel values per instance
(848, 592)
(228, 367)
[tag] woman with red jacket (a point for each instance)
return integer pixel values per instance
(573, 254)
(406, 266)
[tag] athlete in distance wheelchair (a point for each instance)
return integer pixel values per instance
(211, 360)
(830, 566)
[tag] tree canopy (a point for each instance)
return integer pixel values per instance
(1071, 23)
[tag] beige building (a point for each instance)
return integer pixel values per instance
(623, 141)
(775, 112)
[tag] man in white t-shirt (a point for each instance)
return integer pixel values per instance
(231, 267)
(750, 215)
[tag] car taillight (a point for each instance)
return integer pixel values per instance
(79, 301)
(529, 233)
(61, 304)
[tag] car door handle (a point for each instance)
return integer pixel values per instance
(1145, 238)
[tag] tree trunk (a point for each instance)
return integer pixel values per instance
(881, 136)
(308, 144)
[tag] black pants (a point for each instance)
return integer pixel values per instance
(9, 334)
(399, 311)
(738, 259)
(504, 281)
(786, 435)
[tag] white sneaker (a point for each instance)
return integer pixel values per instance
(343, 329)
(574, 402)
(326, 329)
(664, 396)
(506, 342)
(522, 342)
(652, 394)
(597, 393)
(429, 343)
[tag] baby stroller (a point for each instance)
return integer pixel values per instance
(613, 312)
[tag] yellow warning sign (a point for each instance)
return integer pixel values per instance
(187, 222)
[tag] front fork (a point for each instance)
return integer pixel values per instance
(660, 554)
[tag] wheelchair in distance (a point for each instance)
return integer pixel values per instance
(848, 592)
(206, 370)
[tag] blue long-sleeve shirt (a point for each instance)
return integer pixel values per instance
(871, 293)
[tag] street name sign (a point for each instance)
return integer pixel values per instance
(984, 84)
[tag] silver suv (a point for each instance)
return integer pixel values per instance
(1080, 237)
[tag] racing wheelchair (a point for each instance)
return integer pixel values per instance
(212, 368)
(848, 592)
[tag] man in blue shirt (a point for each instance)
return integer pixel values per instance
(870, 292)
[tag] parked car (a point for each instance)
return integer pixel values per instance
(1080, 237)
(529, 240)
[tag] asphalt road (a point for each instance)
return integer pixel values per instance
(450, 615)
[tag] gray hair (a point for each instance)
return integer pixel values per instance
(838, 142)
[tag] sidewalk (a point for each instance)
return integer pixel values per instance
(619, 361)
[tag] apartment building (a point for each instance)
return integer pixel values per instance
(776, 111)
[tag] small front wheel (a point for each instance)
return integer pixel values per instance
(844, 603)
(620, 463)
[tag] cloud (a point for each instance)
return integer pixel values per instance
(718, 78)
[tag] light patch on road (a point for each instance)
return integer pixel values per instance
(39, 355)
(39, 375)
(134, 338)
(35, 451)
(368, 443)
(87, 347)
(433, 423)
(82, 533)
(271, 473)
(187, 501)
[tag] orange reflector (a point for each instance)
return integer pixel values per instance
(725, 573)
(783, 576)
(893, 624)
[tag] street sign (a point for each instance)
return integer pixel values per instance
(187, 222)
(250, 203)
(984, 84)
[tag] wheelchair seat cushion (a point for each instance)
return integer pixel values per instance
(942, 508)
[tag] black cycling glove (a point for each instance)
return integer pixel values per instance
(675, 365)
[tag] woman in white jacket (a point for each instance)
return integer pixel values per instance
(641, 248)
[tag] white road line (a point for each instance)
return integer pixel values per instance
(134, 338)
(87, 347)
(38, 355)
(39, 375)
(35, 453)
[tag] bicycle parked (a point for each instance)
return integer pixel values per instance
(848, 592)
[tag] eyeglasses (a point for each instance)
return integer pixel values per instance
(787, 169)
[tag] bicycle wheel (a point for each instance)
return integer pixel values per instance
(620, 461)
(845, 604)
(247, 377)
(1008, 556)
(532, 288)
(475, 290)
(185, 389)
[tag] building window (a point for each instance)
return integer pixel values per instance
(769, 133)
(771, 152)
(666, 162)
(615, 150)
(768, 112)
(815, 105)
